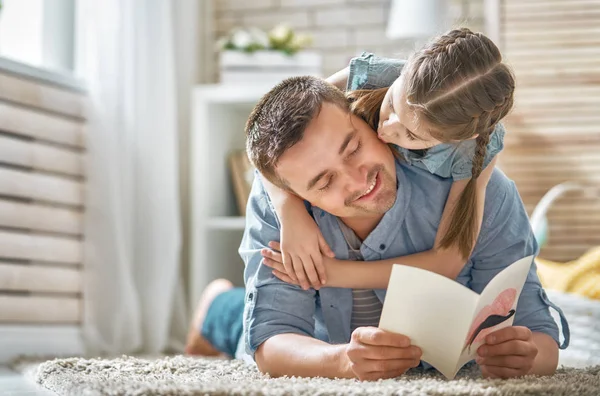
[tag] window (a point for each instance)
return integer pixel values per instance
(38, 32)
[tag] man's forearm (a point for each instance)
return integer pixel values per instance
(546, 360)
(297, 355)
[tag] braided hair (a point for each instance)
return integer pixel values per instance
(458, 84)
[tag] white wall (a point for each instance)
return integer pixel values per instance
(341, 28)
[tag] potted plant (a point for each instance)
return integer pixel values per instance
(252, 55)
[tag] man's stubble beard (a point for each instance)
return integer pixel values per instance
(385, 199)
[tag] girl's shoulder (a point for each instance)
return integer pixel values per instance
(455, 160)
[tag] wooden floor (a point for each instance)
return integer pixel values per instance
(14, 384)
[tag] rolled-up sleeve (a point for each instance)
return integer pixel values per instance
(369, 71)
(272, 307)
(506, 237)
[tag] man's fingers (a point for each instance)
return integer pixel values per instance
(274, 265)
(507, 334)
(370, 352)
(383, 366)
(515, 362)
(272, 254)
(375, 336)
(485, 373)
(500, 372)
(515, 347)
(378, 375)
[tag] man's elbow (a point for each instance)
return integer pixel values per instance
(259, 358)
(264, 364)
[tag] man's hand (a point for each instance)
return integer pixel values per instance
(508, 352)
(375, 354)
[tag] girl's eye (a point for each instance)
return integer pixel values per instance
(410, 136)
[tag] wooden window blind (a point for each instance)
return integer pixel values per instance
(42, 134)
(553, 133)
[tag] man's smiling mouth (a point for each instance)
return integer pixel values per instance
(371, 187)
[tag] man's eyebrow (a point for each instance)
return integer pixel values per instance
(346, 142)
(315, 179)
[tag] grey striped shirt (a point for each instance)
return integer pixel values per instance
(366, 307)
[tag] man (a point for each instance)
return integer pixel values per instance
(302, 137)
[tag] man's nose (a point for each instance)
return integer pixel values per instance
(356, 179)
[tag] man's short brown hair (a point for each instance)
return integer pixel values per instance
(280, 118)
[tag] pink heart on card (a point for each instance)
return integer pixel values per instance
(500, 310)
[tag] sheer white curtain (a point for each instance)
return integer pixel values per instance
(127, 53)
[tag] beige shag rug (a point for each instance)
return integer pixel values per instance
(181, 375)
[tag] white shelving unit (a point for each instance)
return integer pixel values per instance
(219, 114)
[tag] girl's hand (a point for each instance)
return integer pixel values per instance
(302, 250)
(273, 258)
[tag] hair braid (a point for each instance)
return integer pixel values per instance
(479, 156)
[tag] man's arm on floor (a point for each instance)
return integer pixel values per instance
(293, 354)
(278, 317)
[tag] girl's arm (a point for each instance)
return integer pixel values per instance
(303, 246)
(376, 274)
(340, 78)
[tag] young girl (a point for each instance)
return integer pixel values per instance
(441, 114)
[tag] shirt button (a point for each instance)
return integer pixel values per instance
(381, 247)
(250, 296)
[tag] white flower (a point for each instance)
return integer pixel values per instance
(259, 37)
(241, 39)
(281, 34)
(301, 41)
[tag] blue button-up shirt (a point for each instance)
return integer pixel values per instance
(410, 226)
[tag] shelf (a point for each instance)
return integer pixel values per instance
(231, 94)
(227, 223)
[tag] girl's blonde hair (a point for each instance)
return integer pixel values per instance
(459, 86)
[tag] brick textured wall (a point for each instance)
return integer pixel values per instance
(341, 28)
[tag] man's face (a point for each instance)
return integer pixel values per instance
(341, 166)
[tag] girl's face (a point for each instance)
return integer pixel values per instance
(398, 124)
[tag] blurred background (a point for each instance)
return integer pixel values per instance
(122, 174)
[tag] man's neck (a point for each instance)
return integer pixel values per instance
(362, 226)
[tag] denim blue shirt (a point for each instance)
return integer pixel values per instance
(453, 161)
(275, 307)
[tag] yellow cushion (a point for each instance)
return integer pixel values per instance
(581, 276)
